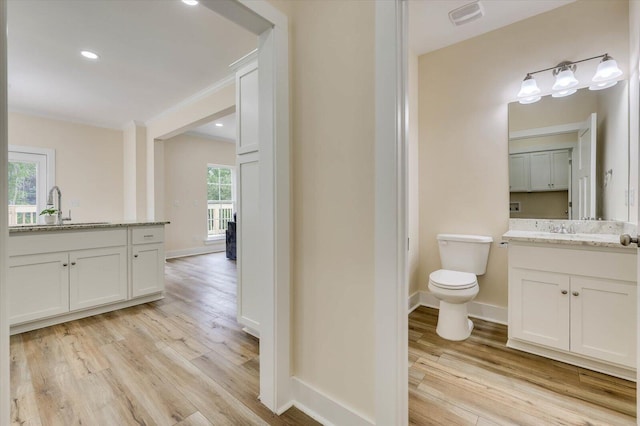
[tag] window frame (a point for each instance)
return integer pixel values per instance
(232, 169)
(45, 159)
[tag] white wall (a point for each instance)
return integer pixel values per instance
(464, 92)
(185, 165)
(89, 164)
(413, 259)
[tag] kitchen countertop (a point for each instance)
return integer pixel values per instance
(594, 240)
(80, 225)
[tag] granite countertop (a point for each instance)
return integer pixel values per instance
(80, 225)
(595, 240)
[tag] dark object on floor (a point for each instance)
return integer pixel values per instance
(231, 240)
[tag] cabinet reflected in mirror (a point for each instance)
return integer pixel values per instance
(569, 157)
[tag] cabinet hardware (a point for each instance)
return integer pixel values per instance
(626, 239)
(575, 293)
(73, 263)
(135, 255)
(64, 264)
(564, 291)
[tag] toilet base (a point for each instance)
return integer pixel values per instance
(453, 321)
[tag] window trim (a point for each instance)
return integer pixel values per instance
(49, 173)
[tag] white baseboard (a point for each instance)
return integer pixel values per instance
(323, 408)
(213, 248)
(478, 310)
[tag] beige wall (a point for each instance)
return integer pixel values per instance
(185, 165)
(541, 205)
(333, 199)
(464, 91)
(89, 160)
(413, 178)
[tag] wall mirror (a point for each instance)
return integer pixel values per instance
(569, 157)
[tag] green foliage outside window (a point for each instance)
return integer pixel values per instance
(219, 184)
(22, 183)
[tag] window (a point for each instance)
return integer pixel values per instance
(220, 204)
(31, 172)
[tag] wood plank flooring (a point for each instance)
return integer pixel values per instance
(482, 382)
(185, 361)
(180, 361)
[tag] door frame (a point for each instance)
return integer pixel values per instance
(271, 27)
(5, 390)
(391, 213)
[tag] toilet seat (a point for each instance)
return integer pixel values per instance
(452, 280)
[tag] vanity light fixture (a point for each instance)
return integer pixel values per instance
(89, 54)
(566, 82)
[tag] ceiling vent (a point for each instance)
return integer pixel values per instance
(467, 13)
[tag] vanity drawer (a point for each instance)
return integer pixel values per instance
(147, 234)
(608, 264)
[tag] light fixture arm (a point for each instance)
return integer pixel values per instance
(568, 64)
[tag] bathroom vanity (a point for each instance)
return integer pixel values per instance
(573, 297)
(59, 273)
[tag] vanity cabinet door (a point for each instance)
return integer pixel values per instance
(97, 277)
(37, 286)
(147, 269)
(603, 319)
(539, 307)
(519, 172)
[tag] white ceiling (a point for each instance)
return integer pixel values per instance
(430, 28)
(225, 133)
(153, 54)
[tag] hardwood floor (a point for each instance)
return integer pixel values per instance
(179, 361)
(185, 361)
(482, 382)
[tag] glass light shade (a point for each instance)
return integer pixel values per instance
(607, 70)
(528, 88)
(530, 99)
(565, 80)
(603, 85)
(563, 93)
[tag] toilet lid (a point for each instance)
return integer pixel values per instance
(453, 280)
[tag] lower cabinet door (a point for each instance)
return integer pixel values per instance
(147, 269)
(603, 319)
(539, 307)
(37, 286)
(97, 277)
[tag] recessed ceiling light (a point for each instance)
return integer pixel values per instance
(190, 2)
(219, 124)
(89, 54)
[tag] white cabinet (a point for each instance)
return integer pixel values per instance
(147, 260)
(539, 171)
(38, 286)
(97, 277)
(580, 302)
(60, 275)
(519, 173)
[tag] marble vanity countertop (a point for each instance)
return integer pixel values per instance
(80, 225)
(595, 240)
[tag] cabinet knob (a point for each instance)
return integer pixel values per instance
(73, 263)
(135, 255)
(564, 291)
(64, 264)
(575, 293)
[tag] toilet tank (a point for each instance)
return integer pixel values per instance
(464, 253)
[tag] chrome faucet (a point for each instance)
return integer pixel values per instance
(61, 219)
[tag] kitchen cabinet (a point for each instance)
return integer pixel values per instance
(539, 171)
(147, 261)
(38, 286)
(575, 302)
(60, 275)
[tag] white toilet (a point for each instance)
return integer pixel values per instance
(463, 257)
